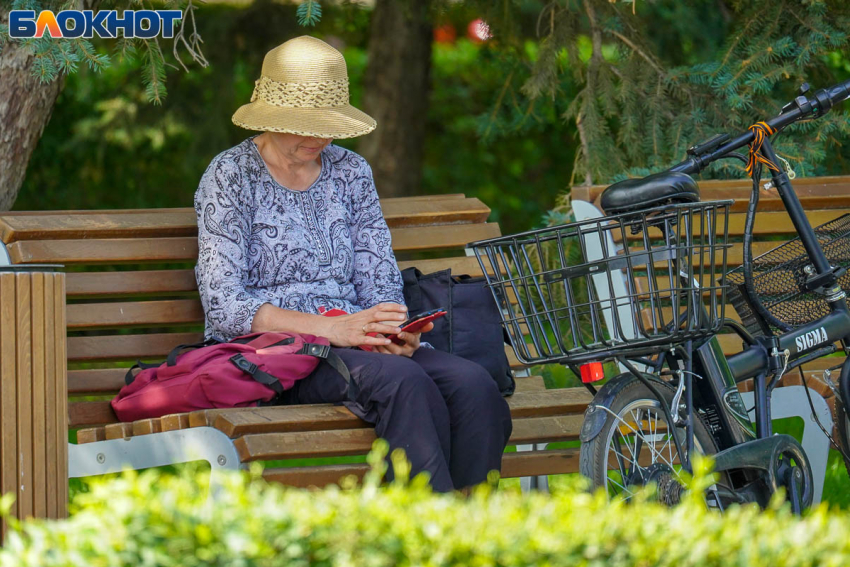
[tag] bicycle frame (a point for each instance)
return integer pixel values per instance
(806, 343)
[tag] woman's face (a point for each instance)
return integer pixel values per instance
(299, 148)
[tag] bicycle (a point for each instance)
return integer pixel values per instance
(561, 303)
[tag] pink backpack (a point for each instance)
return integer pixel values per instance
(248, 371)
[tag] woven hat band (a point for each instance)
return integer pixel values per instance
(321, 94)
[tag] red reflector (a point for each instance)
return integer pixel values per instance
(592, 372)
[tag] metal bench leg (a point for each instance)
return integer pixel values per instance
(539, 482)
(154, 450)
(790, 401)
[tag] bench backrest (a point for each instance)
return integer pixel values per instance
(131, 287)
(823, 198)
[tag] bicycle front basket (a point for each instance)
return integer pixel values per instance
(779, 280)
(632, 284)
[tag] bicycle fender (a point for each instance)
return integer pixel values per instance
(597, 410)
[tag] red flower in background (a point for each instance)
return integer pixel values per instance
(445, 34)
(478, 30)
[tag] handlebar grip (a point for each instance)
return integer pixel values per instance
(839, 93)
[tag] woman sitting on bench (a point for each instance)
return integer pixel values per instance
(289, 226)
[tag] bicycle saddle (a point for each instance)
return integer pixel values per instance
(653, 190)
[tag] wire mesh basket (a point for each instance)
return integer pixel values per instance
(779, 278)
(622, 285)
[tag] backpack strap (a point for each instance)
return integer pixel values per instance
(324, 353)
(171, 360)
(129, 377)
(260, 376)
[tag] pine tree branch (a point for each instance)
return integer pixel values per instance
(738, 38)
(649, 59)
(498, 105)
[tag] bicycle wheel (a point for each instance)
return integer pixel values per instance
(635, 446)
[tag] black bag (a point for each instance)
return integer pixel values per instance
(472, 329)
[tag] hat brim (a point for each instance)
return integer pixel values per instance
(334, 122)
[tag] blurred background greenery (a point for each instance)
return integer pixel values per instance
(107, 147)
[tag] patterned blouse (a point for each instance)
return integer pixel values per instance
(259, 242)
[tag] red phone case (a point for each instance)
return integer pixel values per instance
(416, 325)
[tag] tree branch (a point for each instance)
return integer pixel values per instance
(633, 46)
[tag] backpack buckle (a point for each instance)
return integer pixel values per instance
(317, 350)
(243, 364)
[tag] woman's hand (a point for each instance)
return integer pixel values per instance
(411, 343)
(352, 330)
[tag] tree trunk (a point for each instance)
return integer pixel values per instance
(396, 94)
(25, 107)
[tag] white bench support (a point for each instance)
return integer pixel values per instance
(153, 450)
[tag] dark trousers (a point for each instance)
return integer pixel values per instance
(444, 411)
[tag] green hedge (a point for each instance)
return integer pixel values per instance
(154, 520)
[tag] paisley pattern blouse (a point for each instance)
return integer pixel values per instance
(259, 242)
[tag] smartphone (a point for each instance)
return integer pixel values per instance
(413, 324)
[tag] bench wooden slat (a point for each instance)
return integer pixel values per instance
(95, 381)
(146, 427)
(134, 314)
(107, 381)
(127, 347)
(154, 282)
(91, 435)
(814, 193)
(269, 446)
(119, 212)
(236, 423)
(118, 430)
(83, 414)
(185, 248)
(558, 461)
(175, 422)
(766, 224)
(113, 251)
(73, 225)
(9, 455)
(343, 418)
(85, 284)
(188, 311)
(152, 346)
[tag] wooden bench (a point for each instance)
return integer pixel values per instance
(132, 294)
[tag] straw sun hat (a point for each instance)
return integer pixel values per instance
(303, 90)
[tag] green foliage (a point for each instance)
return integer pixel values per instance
(161, 520)
(105, 148)
(652, 78)
(309, 13)
(55, 57)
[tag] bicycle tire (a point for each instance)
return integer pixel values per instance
(593, 458)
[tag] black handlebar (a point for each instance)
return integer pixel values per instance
(802, 107)
(839, 93)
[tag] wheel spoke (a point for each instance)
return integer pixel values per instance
(631, 432)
